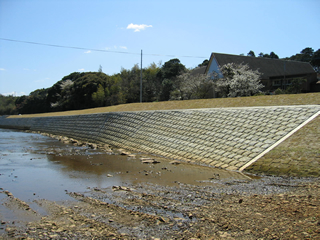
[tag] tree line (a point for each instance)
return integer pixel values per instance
(81, 90)
(170, 81)
(7, 105)
(306, 55)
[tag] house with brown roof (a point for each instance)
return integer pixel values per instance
(275, 73)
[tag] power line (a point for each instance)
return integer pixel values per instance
(95, 50)
(61, 46)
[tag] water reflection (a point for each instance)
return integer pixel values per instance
(34, 166)
(132, 170)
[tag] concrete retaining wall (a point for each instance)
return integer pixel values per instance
(230, 138)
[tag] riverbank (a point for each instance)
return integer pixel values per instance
(214, 206)
(228, 138)
(272, 208)
(221, 205)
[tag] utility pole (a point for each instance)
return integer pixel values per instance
(141, 79)
(284, 75)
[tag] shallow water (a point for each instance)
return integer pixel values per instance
(33, 166)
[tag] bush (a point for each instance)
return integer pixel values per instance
(279, 91)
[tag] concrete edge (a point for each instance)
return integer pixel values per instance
(181, 110)
(278, 142)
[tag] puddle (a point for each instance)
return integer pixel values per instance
(34, 167)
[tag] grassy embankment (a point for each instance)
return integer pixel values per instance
(299, 155)
(274, 100)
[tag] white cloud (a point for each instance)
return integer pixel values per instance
(138, 28)
(87, 51)
(2, 69)
(81, 70)
(123, 47)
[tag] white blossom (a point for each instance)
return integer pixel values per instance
(238, 80)
(194, 86)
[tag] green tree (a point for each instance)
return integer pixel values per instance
(295, 86)
(75, 91)
(7, 105)
(204, 63)
(306, 54)
(36, 102)
(315, 62)
(130, 82)
(251, 54)
(61, 93)
(114, 92)
(151, 83)
(98, 97)
(273, 55)
(168, 73)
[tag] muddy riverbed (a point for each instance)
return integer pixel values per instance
(51, 189)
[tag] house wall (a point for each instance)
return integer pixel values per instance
(214, 68)
(309, 86)
(271, 70)
(283, 82)
(311, 79)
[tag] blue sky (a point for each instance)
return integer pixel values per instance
(162, 29)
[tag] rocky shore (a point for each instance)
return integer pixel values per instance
(272, 208)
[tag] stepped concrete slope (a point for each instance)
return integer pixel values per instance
(229, 138)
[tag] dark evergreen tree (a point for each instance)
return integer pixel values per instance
(251, 54)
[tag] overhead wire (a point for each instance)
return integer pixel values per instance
(95, 50)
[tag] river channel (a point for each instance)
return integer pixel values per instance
(35, 166)
(53, 190)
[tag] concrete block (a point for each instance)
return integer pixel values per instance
(229, 136)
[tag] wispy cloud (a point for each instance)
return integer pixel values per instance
(87, 51)
(2, 69)
(123, 47)
(81, 70)
(16, 94)
(137, 27)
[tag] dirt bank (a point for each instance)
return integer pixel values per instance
(268, 208)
